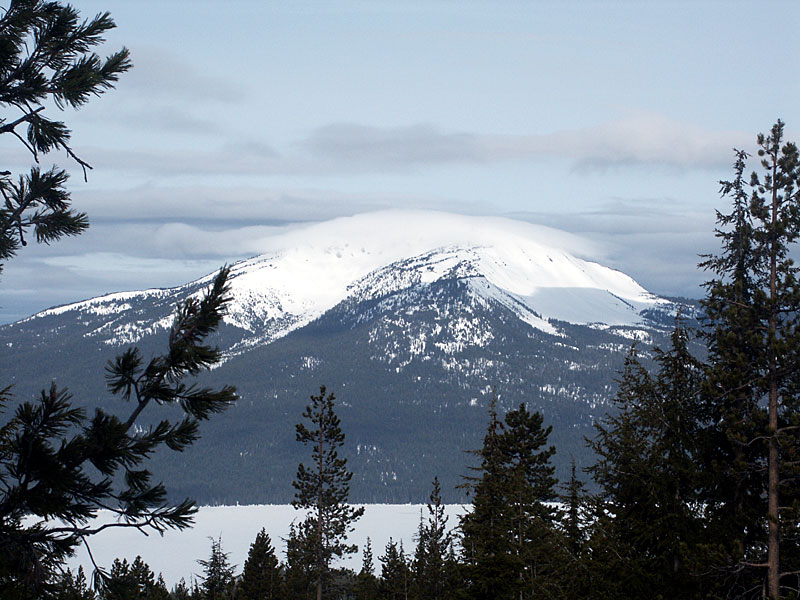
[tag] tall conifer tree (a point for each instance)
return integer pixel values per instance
(299, 571)
(366, 587)
(484, 534)
(509, 542)
(573, 499)
(58, 466)
(134, 581)
(74, 587)
(433, 546)
(261, 575)
(323, 488)
(218, 580)
(753, 307)
(394, 572)
(650, 524)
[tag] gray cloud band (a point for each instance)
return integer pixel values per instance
(346, 149)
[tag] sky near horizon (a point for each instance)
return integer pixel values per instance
(613, 121)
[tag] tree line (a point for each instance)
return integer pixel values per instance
(694, 491)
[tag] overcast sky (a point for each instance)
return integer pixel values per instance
(612, 120)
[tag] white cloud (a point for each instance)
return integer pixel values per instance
(657, 241)
(169, 118)
(639, 140)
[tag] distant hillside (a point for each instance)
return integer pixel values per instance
(410, 318)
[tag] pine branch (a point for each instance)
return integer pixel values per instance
(28, 146)
(9, 127)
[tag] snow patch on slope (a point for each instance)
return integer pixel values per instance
(527, 268)
(524, 312)
(110, 304)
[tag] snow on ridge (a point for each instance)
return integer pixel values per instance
(113, 303)
(307, 271)
(131, 332)
(524, 312)
(536, 283)
(316, 265)
(391, 235)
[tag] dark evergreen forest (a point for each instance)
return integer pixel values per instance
(693, 492)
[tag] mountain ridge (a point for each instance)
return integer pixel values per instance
(412, 348)
(272, 294)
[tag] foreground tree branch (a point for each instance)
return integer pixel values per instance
(46, 55)
(59, 466)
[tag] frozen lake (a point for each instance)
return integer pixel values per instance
(175, 555)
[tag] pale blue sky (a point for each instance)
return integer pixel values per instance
(613, 120)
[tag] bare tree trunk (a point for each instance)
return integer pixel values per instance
(319, 510)
(773, 539)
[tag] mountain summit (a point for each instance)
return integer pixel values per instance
(411, 317)
(306, 272)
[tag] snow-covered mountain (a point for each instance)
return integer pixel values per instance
(307, 272)
(411, 316)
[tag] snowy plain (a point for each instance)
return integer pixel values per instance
(175, 555)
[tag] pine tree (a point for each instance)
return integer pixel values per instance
(143, 577)
(74, 587)
(509, 540)
(753, 308)
(134, 581)
(650, 520)
(394, 572)
(576, 519)
(573, 499)
(366, 583)
(56, 463)
(45, 55)
(680, 521)
(484, 534)
(300, 560)
(367, 563)
(453, 585)
(121, 584)
(622, 509)
(324, 487)
(536, 543)
(58, 466)
(433, 545)
(261, 576)
(734, 477)
(217, 578)
(159, 591)
(181, 591)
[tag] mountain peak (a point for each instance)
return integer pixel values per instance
(413, 316)
(307, 271)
